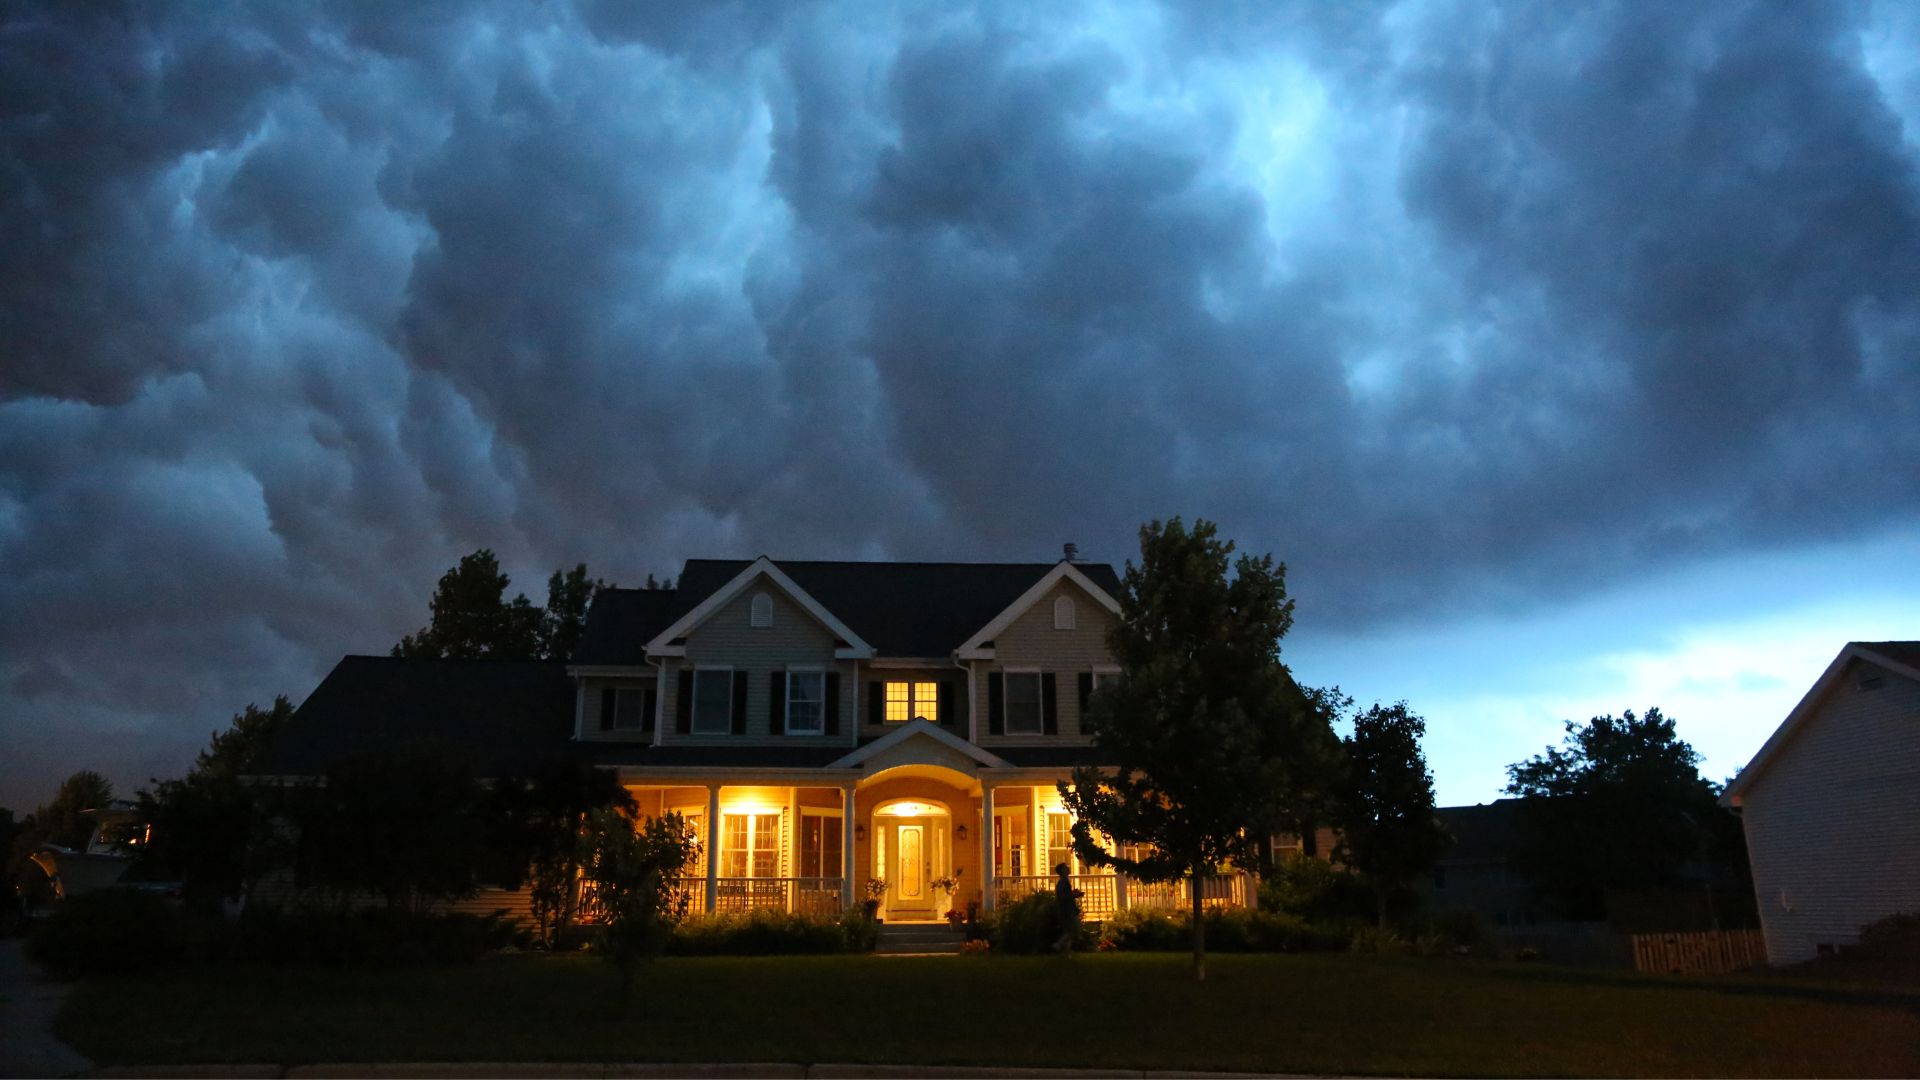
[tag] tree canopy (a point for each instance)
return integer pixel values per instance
(471, 617)
(1388, 833)
(1214, 743)
(239, 749)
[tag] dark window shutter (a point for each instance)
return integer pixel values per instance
(649, 702)
(683, 710)
(777, 703)
(996, 703)
(876, 702)
(1086, 693)
(830, 723)
(739, 703)
(606, 709)
(949, 703)
(1049, 705)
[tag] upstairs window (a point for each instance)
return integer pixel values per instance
(1063, 613)
(1105, 680)
(713, 701)
(806, 702)
(630, 711)
(912, 701)
(1024, 715)
(762, 614)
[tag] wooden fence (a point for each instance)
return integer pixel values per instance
(1707, 953)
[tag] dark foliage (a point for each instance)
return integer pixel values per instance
(1388, 833)
(239, 750)
(1228, 930)
(1315, 891)
(472, 618)
(108, 932)
(539, 825)
(772, 933)
(1030, 924)
(409, 827)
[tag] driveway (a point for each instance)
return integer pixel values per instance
(28, 1002)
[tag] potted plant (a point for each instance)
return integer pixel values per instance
(876, 892)
(947, 886)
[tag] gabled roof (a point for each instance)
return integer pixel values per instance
(982, 638)
(903, 609)
(918, 729)
(665, 641)
(1900, 657)
(620, 623)
(498, 717)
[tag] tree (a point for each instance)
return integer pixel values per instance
(240, 749)
(1214, 743)
(408, 826)
(568, 597)
(632, 866)
(544, 821)
(1620, 804)
(1388, 832)
(212, 832)
(60, 821)
(472, 618)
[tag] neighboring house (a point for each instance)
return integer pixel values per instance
(821, 726)
(1831, 804)
(1476, 873)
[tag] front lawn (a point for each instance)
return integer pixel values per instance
(1303, 1013)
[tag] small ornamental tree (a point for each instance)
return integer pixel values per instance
(1388, 832)
(632, 865)
(409, 826)
(1212, 741)
(543, 822)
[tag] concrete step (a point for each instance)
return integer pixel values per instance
(918, 938)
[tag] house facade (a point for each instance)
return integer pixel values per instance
(1831, 804)
(830, 731)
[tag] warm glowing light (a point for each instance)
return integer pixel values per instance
(911, 809)
(749, 808)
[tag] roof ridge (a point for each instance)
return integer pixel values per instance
(451, 659)
(900, 562)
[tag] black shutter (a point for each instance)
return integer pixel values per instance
(1086, 692)
(606, 709)
(649, 702)
(831, 722)
(876, 702)
(739, 703)
(996, 703)
(949, 703)
(1049, 705)
(777, 703)
(683, 710)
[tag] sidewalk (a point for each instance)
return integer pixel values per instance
(592, 1071)
(28, 1003)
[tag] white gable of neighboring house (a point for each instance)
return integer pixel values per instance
(1831, 808)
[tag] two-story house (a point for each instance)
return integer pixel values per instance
(826, 728)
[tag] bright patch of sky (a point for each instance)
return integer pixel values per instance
(1725, 650)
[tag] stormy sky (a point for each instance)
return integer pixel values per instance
(1566, 353)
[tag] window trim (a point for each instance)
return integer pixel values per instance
(1039, 700)
(693, 714)
(913, 700)
(787, 707)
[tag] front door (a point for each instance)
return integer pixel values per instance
(909, 881)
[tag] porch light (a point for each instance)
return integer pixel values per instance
(859, 831)
(959, 832)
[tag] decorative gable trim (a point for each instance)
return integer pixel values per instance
(915, 729)
(672, 640)
(1803, 713)
(980, 645)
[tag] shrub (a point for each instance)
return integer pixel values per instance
(1317, 891)
(1228, 930)
(1030, 924)
(373, 936)
(1369, 939)
(771, 933)
(113, 930)
(1894, 937)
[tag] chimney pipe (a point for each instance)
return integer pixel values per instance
(1070, 551)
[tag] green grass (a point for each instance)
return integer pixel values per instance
(1319, 1013)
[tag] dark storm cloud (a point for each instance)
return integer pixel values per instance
(1436, 301)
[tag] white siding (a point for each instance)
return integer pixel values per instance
(1031, 643)
(1833, 824)
(728, 639)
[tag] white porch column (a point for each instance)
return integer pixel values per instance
(986, 845)
(846, 848)
(713, 846)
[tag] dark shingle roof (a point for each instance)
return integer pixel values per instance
(1050, 757)
(1900, 652)
(901, 609)
(1481, 834)
(501, 717)
(622, 621)
(742, 757)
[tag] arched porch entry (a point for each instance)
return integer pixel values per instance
(916, 843)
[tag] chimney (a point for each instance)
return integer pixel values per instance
(1070, 551)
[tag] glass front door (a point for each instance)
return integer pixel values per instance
(910, 870)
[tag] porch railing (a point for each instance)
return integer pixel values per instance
(801, 895)
(1104, 894)
(1098, 895)
(1227, 890)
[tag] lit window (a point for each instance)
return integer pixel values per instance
(712, 702)
(630, 710)
(912, 701)
(806, 702)
(1060, 844)
(750, 845)
(1023, 703)
(1063, 613)
(821, 838)
(762, 610)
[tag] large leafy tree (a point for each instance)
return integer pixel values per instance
(240, 749)
(409, 826)
(569, 595)
(472, 618)
(1619, 804)
(1388, 833)
(1214, 745)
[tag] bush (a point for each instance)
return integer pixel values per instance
(373, 936)
(1896, 937)
(1370, 939)
(1228, 930)
(771, 933)
(1317, 891)
(1030, 924)
(113, 930)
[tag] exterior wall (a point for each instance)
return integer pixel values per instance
(949, 676)
(1833, 825)
(1031, 642)
(727, 639)
(588, 708)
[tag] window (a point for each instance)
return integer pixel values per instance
(1009, 830)
(630, 710)
(762, 614)
(1023, 703)
(1105, 680)
(1060, 843)
(750, 845)
(713, 701)
(806, 702)
(912, 701)
(821, 838)
(1063, 613)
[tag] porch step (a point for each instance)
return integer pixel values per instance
(918, 938)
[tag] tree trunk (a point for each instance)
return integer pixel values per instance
(1199, 929)
(1380, 905)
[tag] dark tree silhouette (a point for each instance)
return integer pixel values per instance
(1388, 833)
